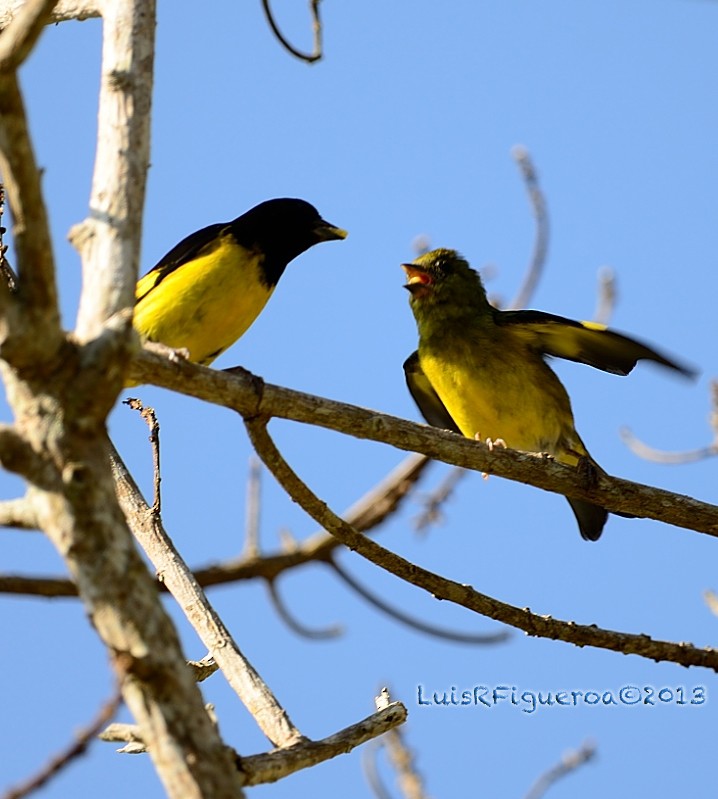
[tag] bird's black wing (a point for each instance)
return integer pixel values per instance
(188, 249)
(584, 342)
(428, 401)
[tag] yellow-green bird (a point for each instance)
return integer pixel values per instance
(482, 370)
(205, 293)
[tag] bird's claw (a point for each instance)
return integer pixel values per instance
(490, 443)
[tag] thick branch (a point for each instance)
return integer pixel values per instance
(252, 397)
(37, 327)
(17, 42)
(64, 11)
(176, 576)
(442, 588)
(109, 239)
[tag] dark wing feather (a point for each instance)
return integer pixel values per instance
(584, 342)
(189, 248)
(431, 407)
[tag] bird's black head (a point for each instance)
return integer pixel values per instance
(282, 229)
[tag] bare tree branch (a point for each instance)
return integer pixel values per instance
(77, 748)
(174, 573)
(253, 509)
(273, 766)
(17, 42)
(569, 762)
(294, 624)
(316, 53)
(538, 207)
(464, 595)
(438, 497)
(364, 515)
(240, 393)
(61, 389)
(413, 623)
(18, 513)
(30, 333)
(607, 293)
(64, 11)
(677, 458)
(150, 418)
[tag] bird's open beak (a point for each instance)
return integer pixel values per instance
(417, 278)
(325, 231)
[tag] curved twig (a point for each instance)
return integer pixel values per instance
(316, 53)
(410, 621)
(540, 213)
(442, 588)
(569, 762)
(294, 624)
(677, 458)
(607, 292)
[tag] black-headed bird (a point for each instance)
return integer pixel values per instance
(205, 293)
(482, 371)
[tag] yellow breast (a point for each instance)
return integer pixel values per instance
(206, 304)
(508, 394)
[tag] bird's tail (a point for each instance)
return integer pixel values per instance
(590, 518)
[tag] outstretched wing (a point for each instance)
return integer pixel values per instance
(431, 407)
(584, 342)
(180, 254)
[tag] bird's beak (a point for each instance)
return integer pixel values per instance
(325, 231)
(417, 279)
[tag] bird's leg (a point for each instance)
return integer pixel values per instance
(588, 471)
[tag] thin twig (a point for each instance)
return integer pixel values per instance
(607, 293)
(77, 748)
(371, 770)
(150, 417)
(442, 588)
(434, 501)
(711, 600)
(402, 758)
(294, 624)
(415, 624)
(316, 53)
(569, 762)
(366, 514)
(540, 213)
(677, 458)
(252, 512)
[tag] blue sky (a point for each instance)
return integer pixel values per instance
(405, 129)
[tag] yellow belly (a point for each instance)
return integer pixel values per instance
(206, 304)
(516, 398)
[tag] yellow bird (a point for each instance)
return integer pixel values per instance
(205, 293)
(482, 370)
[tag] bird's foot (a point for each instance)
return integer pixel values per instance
(588, 471)
(175, 355)
(490, 443)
